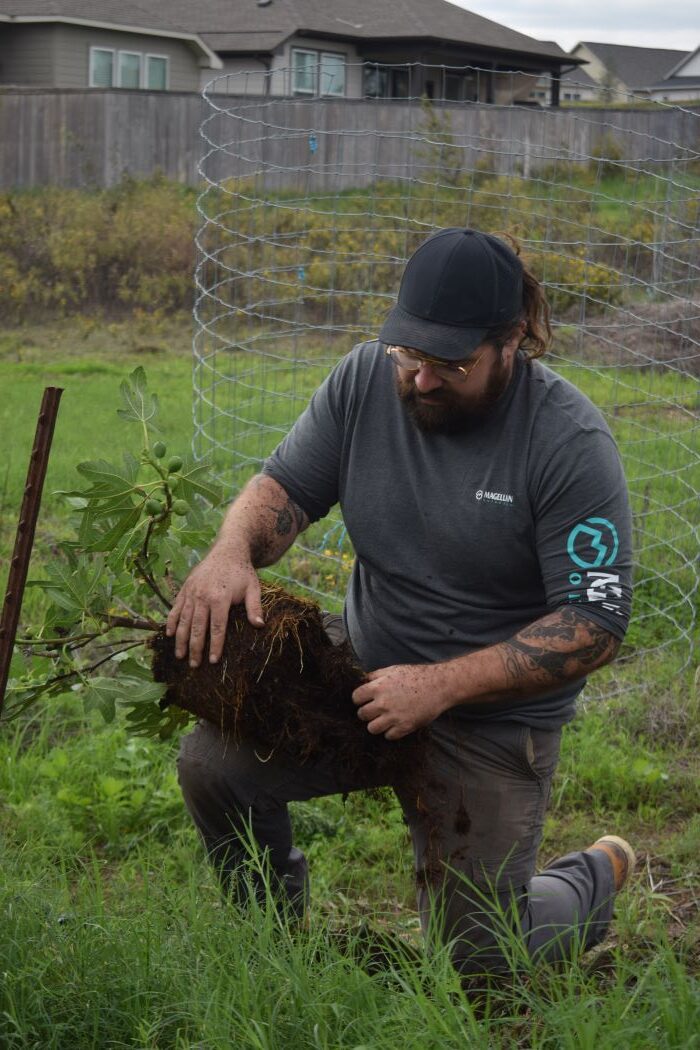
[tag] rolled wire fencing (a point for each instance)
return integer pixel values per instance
(310, 206)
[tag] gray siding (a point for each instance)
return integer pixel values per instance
(73, 55)
(58, 55)
(27, 54)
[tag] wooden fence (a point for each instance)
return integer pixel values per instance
(95, 138)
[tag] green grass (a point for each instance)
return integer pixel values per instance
(112, 931)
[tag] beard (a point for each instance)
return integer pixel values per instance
(444, 411)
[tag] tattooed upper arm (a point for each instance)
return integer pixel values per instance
(289, 516)
(280, 522)
(559, 648)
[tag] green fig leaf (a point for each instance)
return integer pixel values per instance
(139, 405)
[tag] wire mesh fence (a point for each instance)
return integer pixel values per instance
(309, 209)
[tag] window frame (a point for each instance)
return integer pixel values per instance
(314, 54)
(318, 57)
(162, 58)
(392, 75)
(343, 58)
(135, 54)
(91, 74)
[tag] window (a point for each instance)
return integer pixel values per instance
(454, 87)
(332, 74)
(376, 82)
(317, 72)
(156, 73)
(101, 67)
(129, 70)
(386, 82)
(304, 65)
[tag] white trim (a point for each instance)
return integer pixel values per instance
(318, 55)
(163, 58)
(214, 61)
(91, 79)
(679, 65)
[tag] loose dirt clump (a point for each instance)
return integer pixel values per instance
(286, 688)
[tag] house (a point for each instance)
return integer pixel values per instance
(624, 72)
(363, 48)
(682, 83)
(575, 85)
(99, 44)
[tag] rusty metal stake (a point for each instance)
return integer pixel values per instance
(24, 538)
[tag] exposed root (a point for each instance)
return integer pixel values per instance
(287, 689)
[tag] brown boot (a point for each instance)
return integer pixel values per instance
(621, 856)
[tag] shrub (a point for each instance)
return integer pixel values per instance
(64, 251)
(304, 259)
(607, 157)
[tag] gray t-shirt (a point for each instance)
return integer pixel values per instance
(462, 540)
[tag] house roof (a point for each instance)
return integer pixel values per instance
(115, 12)
(363, 20)
(672, 83)
(677, 70)
(126, 15)
(580, 78)
(637, 67)
(245, 26)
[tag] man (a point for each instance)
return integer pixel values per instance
(486, 503)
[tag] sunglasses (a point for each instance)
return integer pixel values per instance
(411, 362)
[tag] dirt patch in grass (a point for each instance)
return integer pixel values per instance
(645, 335)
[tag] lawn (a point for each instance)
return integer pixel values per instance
(113, 933)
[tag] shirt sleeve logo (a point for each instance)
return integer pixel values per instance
(593, 543)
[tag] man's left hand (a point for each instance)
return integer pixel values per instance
(398, 700)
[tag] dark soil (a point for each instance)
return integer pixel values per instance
(287, 689)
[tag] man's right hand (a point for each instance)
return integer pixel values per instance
(202, 606)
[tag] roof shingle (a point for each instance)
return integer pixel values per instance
(245, 26)
(637, 67)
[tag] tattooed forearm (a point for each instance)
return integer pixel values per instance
(559, 648)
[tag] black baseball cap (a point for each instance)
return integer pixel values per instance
(456, 286)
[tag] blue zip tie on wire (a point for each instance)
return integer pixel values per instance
(313, 143)
(326, 539)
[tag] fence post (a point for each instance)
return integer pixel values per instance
(26, 527)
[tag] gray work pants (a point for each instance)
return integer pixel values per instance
(476, 829)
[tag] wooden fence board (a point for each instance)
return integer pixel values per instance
(95, 138)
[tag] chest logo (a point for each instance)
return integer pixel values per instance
(483, 496)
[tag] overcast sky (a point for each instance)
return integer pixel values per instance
(646, 23)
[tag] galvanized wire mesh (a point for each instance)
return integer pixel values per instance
(309, 209)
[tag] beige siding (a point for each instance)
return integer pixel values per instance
(604, 76)
(691, 67)
(27, 55)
